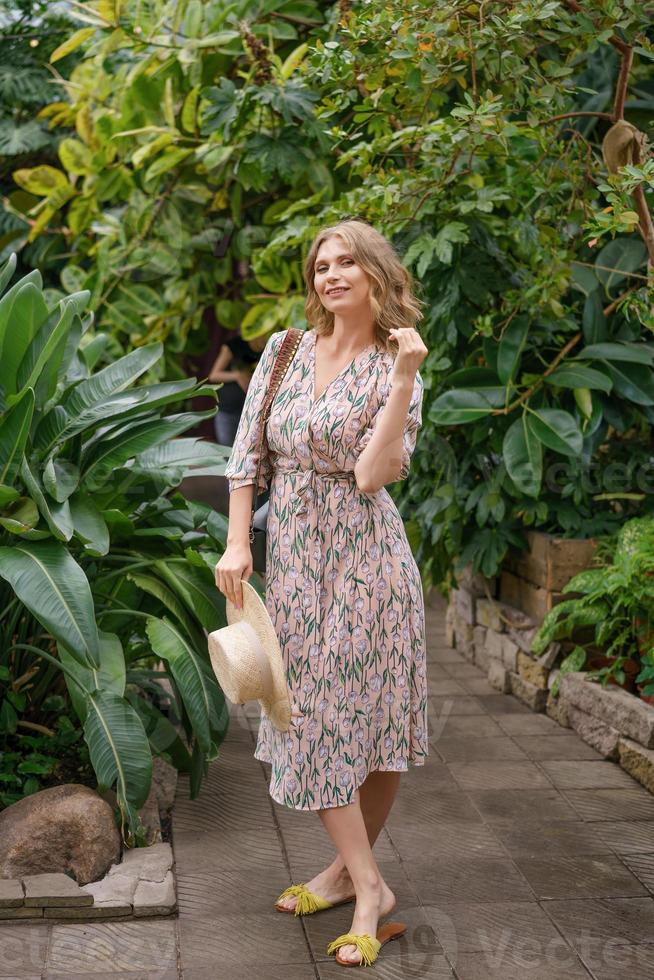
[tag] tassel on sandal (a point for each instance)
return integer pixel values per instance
(367, 945)
(307, 901)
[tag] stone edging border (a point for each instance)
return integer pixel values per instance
(497, 638)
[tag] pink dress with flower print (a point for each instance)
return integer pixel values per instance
(342, 586)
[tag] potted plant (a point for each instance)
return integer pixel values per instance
(616, 599)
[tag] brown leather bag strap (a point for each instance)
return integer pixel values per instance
(285, 355)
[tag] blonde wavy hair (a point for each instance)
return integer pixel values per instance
(392, 299)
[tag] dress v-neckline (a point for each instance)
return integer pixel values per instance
(347, 367)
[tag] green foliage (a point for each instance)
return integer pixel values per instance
(617, 600)
(211, 143)
(96, 550)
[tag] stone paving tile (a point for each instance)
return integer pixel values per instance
(593, 924)
(455, 704)
(626, 836)
(23, 948)
(465, 841)
(410, 964)
(482, 880)
(519, 805)
(237, 939)
(419, 937)
(502, 704)
(470, 726)
(439, 687)
(642, 865)
(634, 962)
(528, 723)
(172, 974)
(611, 804)
(462, 927)
(535, 839)
(478, 685)
(118, 948)
(587, 775)
(472, 749)
(521, 965)
(587, 876)
(436, 806)
(229, 890)
(556, 747)
(498, 775)
(273, 971)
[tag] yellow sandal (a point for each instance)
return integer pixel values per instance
(307, 901)
(367, 945)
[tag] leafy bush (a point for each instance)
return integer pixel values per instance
(107, 577)
(617, 601)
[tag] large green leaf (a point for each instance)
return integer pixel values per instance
(82, 680)
(47, 348)
(89, 524)
(573, 375)
(523, 456)
(50, 583)
(60, 478)
(193, 676)
(637, 353)
(557, 430)
(633, 381)
(459, 406)
(510, 348)
(162, 734)
(19, 516)
(120, 752)
(111, 380)
(110, 454)
(14, 430)
(6, 307)
(155, 587)
(28, 312)
(56, 515)
(196, 589)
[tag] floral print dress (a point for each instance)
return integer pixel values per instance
(342, 586)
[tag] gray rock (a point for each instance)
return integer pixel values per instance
(24, 912)
(54, 889)
(557, 710)
(593, 731)
(615, 707)
(509, 652)
(464, 605)
(11, 893)
(637, 761)
(488, 614)
(114, 891)
(155, 897)
(498, 676)
(534, 697)
(164, 780)
(493, 644)
(67, 829)
(149, 863)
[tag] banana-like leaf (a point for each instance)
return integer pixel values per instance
(57, 426)
(7, 301)
(19, 516)
(8, 495)
(14, 431)
(60, 478)
(90, 526)
(48, 580)
(28, 312)
(193, 676)
(120, 753)
(164, 738)
(47, 341)
(112, 380)
(109, 676)
(57, 516)
(110, 454)
(155, 587)
(197, 590)
(7, 271)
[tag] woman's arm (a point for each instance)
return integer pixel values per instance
(218, 370)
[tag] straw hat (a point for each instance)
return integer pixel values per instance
(247, 659)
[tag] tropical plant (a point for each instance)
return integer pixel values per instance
(504, 153)
(107, 577)
(616, 599)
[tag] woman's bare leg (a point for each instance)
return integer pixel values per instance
(347, 828)
(376, 795)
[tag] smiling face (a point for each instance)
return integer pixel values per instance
(340, 283)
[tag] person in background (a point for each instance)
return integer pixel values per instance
(233, 368)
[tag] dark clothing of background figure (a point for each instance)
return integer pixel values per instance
(231, 396)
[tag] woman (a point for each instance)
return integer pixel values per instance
(235, 381)
(342, 586)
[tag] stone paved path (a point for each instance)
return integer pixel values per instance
(515, 852)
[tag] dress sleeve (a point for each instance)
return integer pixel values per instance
(241, 468)
(413, 423)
